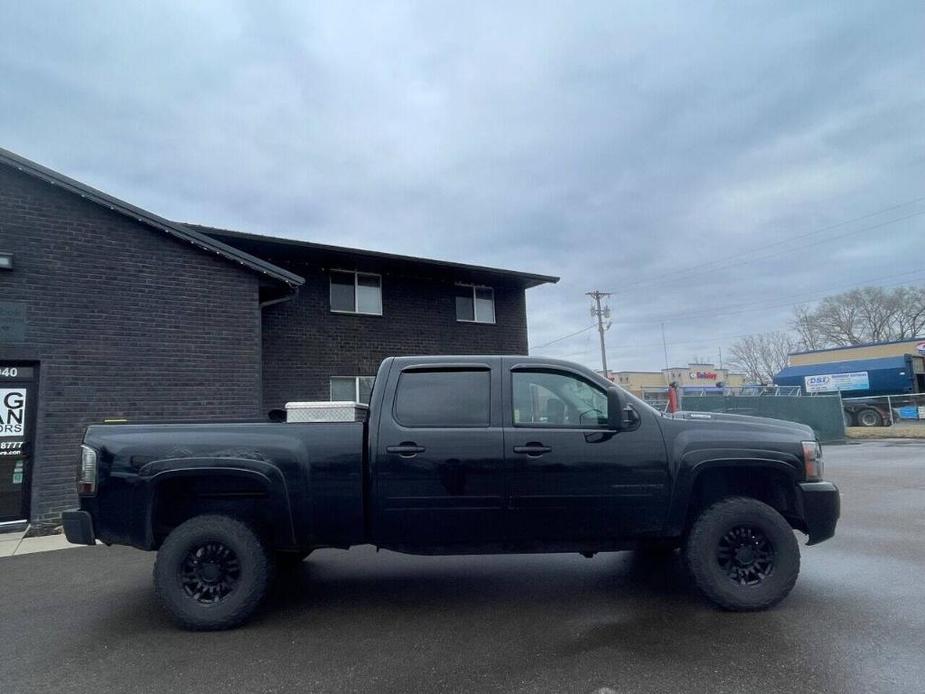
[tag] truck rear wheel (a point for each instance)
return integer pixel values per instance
(869, 417)
(212, 572)
(742, 554)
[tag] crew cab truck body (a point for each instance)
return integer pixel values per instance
(458, 455)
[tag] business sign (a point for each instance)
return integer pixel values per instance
(920, 348)
(833, 383)
(12, 411)
(703, 375)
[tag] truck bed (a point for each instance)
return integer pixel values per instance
(319, 467)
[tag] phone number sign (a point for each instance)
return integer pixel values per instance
(833, 383)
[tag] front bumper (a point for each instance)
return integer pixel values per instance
(78, 527)
(821, 509)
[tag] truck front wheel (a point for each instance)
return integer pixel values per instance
(211, 572)
(742, 554)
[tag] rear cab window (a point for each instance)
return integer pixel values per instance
(441, 397)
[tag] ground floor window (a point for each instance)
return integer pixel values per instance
(352, 388)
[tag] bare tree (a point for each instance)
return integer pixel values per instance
(803, 325)
(910, 317)
(762, 356)
(869, 314)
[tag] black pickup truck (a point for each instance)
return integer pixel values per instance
(458, 455)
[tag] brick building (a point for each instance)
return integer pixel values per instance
(109, 312)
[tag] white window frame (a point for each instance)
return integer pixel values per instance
(475, 314)
(356, 274)
(356, 386)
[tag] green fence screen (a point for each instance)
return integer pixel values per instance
(822, 412)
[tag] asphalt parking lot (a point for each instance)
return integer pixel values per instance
(85, 619)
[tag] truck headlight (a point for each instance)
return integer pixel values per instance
(87, 474)
(812, 461)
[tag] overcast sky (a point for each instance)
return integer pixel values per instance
(711, 166)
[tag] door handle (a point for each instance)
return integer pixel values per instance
(533, 450)
(406, 450)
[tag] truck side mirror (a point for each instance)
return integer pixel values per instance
(616, 408)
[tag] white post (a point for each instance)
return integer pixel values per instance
(889, 404)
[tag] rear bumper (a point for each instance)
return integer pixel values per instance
(78, 527)
(821, 509)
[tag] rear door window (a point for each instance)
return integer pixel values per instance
(444, 398)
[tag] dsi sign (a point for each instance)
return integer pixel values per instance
(12, 411)
(920, 348)
(833, 383)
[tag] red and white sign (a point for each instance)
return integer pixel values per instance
(703, 375)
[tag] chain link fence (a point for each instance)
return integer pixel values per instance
(886, 411)
(658, 397)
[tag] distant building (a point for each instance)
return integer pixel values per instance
(701, 375)
(871, 350)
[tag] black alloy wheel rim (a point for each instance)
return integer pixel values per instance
(746, 555)
(209, 573)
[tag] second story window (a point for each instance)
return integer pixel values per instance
(356, 292)
(475, 304)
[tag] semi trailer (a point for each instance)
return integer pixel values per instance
(867, 379)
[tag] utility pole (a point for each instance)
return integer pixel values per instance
(601, 313)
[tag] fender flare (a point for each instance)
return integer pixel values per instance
(267, 475)
(693, 465)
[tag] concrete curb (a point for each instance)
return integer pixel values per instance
(15, 544)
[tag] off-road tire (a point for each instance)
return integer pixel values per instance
(255, 568)
(702, 546)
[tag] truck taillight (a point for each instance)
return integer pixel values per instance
(87, 474)
(812, 460)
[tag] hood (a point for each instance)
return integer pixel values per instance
(748, 423)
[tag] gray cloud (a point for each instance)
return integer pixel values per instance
(616, 146)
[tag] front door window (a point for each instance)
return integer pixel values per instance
(557, 399)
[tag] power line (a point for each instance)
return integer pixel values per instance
(741, 308)
(705, 340)
(565, 337)
(708, 338)
(724, 262)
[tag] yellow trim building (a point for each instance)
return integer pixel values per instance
(874, 350)
(702, 375)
